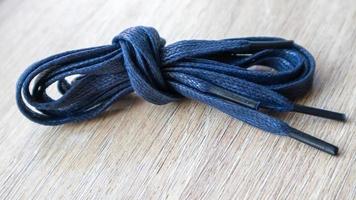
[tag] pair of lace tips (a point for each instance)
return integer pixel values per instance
(310, 140)
(293, 133)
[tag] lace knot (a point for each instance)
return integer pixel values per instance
(141, 47)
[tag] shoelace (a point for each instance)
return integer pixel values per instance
(220, 73)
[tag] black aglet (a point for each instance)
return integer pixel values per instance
(319, 112)
(313, 141)
(234, 97)
(278, 44)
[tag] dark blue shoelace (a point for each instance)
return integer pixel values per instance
(216, 72)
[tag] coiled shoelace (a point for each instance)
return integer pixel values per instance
(217, 73)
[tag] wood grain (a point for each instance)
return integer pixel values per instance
(182, 150)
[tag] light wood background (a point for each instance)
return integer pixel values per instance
(182, 150)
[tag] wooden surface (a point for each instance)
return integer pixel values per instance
(182, 150)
